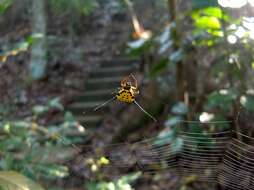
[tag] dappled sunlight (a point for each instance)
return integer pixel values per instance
(248, 23)
(232, 3)
(251, 2)
(232, 39)
(235, 3)
(81, 128)
(243, 32)
(139, 31)
(206, 117)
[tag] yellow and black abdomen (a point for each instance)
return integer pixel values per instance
(125, 96)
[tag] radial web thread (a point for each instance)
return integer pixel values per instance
(213, 157)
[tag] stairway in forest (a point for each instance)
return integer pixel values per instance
(99, 86)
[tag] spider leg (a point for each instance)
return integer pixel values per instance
(134, 80)
(144, 110)
(105, 103)
(124, 81)
(115, 92)
(135, 91)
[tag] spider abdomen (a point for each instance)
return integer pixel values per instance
(125, 96)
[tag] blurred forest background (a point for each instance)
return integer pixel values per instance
(193, 60)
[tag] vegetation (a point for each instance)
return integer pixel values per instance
(195, 73)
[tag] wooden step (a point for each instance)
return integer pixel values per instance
(75, 133)
(103, 83)
(123, 68)
(104, 80)
(95, 95)
(119, 62)
(84, 107)
(116, 72)
(89, 121)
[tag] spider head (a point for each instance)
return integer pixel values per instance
(127, 87)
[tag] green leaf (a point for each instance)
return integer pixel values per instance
(69, 117)
(7, 162)
(221, 126)
(208, 22)
(137, 43)
(39, 109)
(88, 7)
(4, 5)
(180, 108)
(213, 11)
(164, 137)
(129, 178)
(11, 180)
(53, 170)
(122, 183)
(21, 124)
(165, 35)
(247, 101)
(17, 128)
(176, 56)
(165, 47)
(55, 103)
(223, 99)
(162, 64)
(177, 145)
(173, 121)
(138, 47)
(204, 3)
(13, 142)
(84, 7)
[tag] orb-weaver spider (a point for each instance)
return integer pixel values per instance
(127, 94)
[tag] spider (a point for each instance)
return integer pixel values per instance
(128, 90)
(127, 94)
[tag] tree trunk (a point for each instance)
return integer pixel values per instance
(38, 61)
(180, 83)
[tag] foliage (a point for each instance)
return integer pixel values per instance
(222, 99)
(52, 104)
(247, 101)
(220, 45)
(10, 180)
(36, 150)
(138, 47)
(14, 51)
(208, 20)
(84, 7)
(169, 134)
(180, 108)
(4, 5)
(214, 43)
(122, 183)
(202, 4)
(227, 39)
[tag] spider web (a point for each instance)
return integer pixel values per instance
(238, 164)
(213, 157)
(200, 151)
